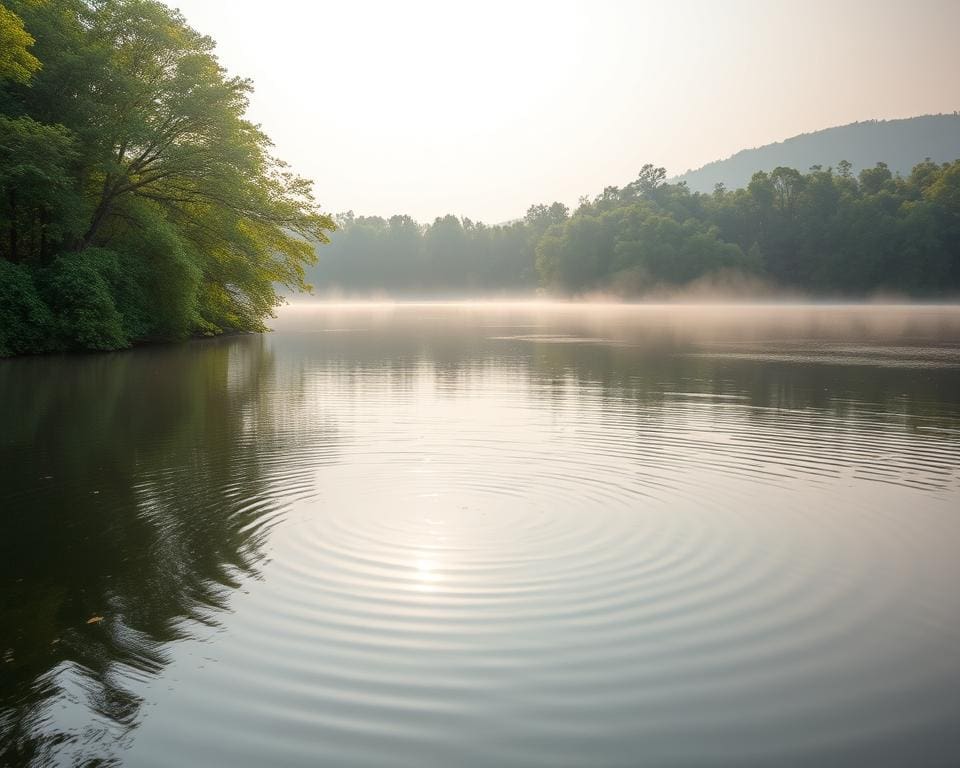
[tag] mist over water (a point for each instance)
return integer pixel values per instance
(490, 534)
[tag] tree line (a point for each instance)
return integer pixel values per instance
(826, 232)
(136, 201)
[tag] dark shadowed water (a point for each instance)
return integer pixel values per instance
(477, 535)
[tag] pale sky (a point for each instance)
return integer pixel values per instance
(483, 108)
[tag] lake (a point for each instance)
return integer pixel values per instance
(489, 534)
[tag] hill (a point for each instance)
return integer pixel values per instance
(901, 144)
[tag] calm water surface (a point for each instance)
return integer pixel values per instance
(489, 535)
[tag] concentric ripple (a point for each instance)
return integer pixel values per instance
(478, 546)
(515, 563)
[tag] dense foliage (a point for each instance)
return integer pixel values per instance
(825, 232)
(900, 143)
(136, 202)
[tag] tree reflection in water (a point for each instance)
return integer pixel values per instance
(137, 487)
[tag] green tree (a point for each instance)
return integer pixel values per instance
(132, 138)
(16, 61)
(35, 176)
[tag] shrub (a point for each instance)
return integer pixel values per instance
(80, 295)
(26, 324)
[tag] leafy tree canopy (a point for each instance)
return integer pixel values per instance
(125, 136)
(16, 61)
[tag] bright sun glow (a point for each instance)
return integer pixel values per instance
(426, 574)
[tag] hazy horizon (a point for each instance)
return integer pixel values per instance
(484, 111)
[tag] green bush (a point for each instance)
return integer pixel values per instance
(80, 295)
(26, 324)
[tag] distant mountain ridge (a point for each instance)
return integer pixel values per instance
(901, 144)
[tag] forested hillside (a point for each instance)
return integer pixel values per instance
(826, 232)
(136, 201)
(901, 144)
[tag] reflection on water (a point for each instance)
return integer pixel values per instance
(489, 535)
(138, 488)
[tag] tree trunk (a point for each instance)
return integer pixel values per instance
(102, 209)
(98, 216)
